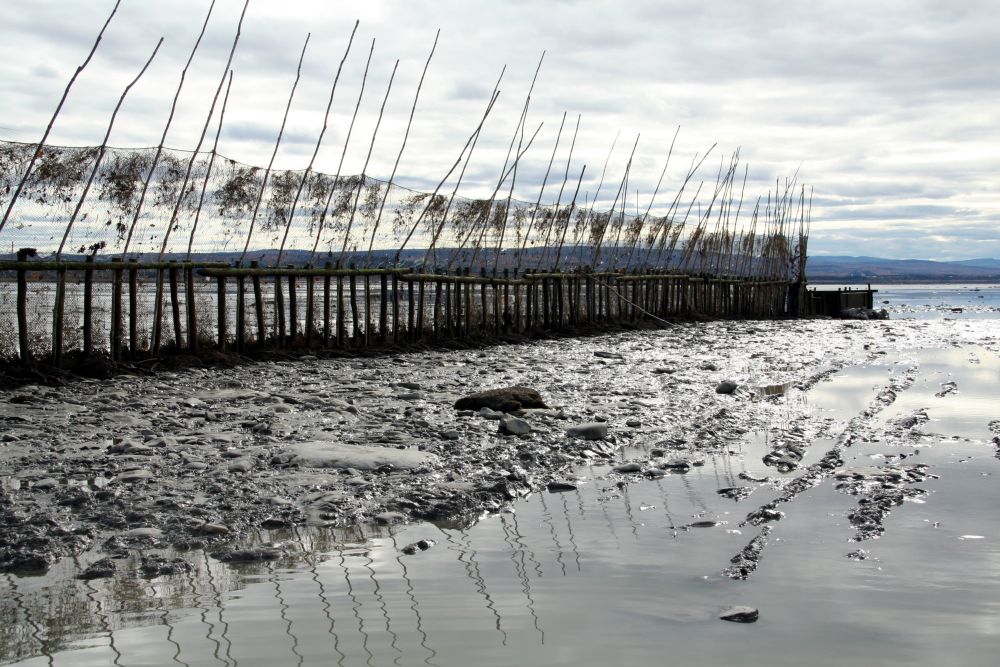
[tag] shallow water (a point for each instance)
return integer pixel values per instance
(607, 573)
(939, 301)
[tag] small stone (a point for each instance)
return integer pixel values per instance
(450, 435)
(390, 518)
(514, 426)
(590, 431)
(740, 614)
(101, 569)
(487, 413)
(560, 486)
(213, 529)
(607, 355)
(45, 484)
(725, 387)
(633, 423)
(628, 467)
(241, 465)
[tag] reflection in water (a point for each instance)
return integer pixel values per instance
(477, 577)
(517, 554)
(414, 607)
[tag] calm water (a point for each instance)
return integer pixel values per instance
(938, 301)
(604, 574)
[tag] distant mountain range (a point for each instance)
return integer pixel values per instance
(834, 269)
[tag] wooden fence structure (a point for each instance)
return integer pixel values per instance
(308, 308)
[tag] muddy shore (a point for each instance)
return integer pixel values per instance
(205, 458)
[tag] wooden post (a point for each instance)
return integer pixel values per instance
(506, 301)
(133, 306)
(419, 331)
(221, 309)
(447, 309)
(116, 314)
(326, 307)
(410, 304)
(356, 326)
(175, 304)
(258, 303)
(383, 307)
(368, 309)
(241, 313)
(395, 308)
(341, 324)
(310, 312)
(192, 311)
(293, 309)
(279, 312)
(529, 306)
(58, 313)
(88, 308)
(437, 307)
(482, 299)
(458, 304)
(546, 304)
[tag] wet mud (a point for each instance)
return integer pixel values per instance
(202, 458)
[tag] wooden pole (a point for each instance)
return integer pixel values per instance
(58, 314)
(221, 307)
(258, 302)
(293, 310)
(310, 314)
(241, 314)
(88, 308)
(192, 310)
(341, 325)
(133, 307)
(356, 325)
(326, 308)
(175, 304)
(116, 315)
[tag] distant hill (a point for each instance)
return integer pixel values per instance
(832, 268)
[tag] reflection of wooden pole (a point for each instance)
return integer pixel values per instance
(37, 153)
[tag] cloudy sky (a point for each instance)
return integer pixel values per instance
(888, 110)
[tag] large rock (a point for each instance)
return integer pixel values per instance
(504, 399)
(322, 454)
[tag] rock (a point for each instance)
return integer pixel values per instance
(326, 454)
(488, 413)
(390, 518)
(450, 435)
(865, 314)
(633, 423)
(130, 476)
(46, 484)
(740, 614)
(101, 569)
(504, 399)
(677, 465)
(590, 431)
(419, 545)
(154, 533)
(735, 492)
(158, 566)
(241, 465)
(725, 387)
(213, 529)
(560, 486)
(514, 426)
(607, 355)
(628, 467)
